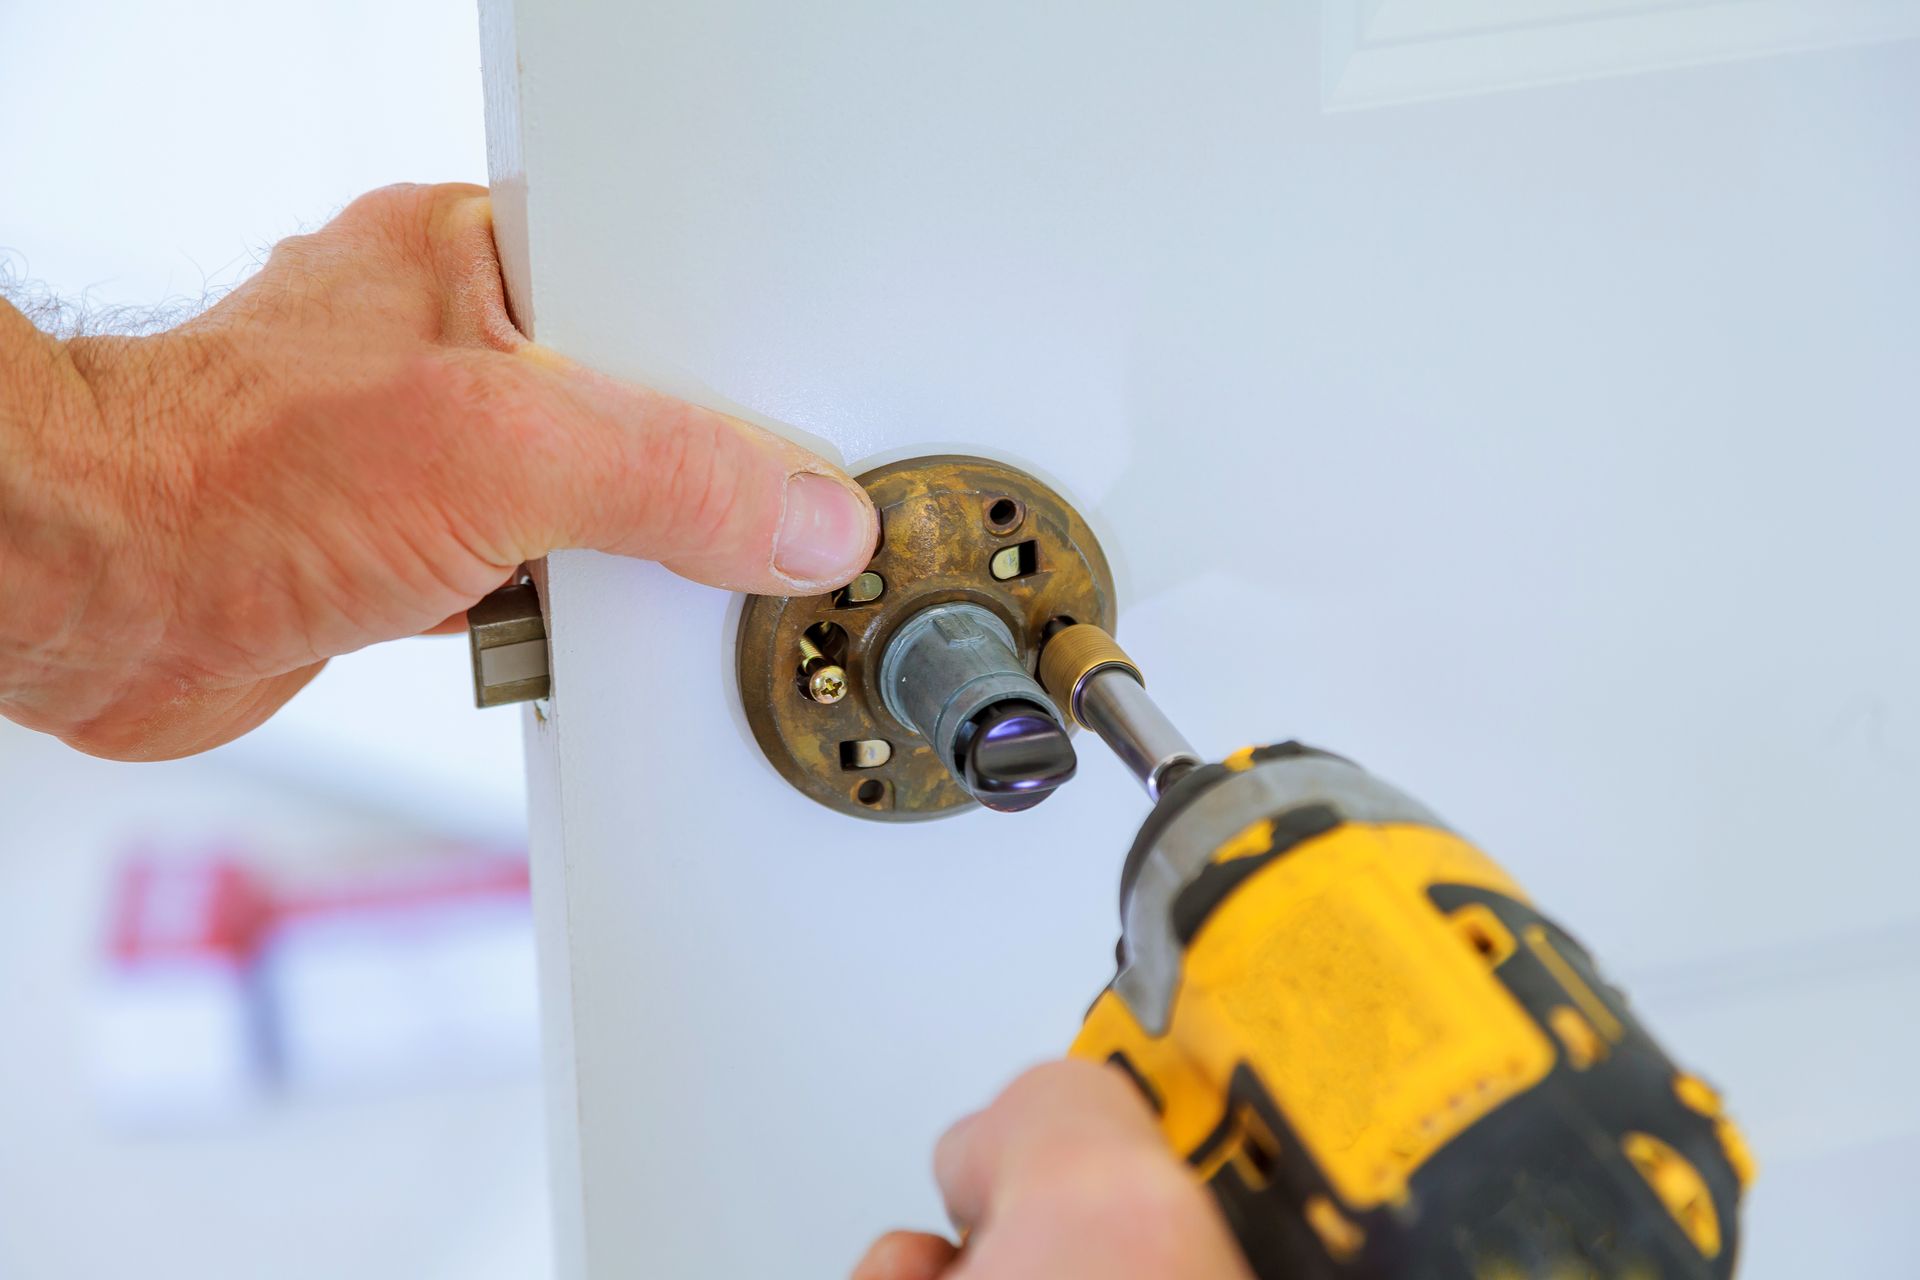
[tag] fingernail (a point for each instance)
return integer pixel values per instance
(826, 533)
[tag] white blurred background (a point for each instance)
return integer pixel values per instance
(151, 154)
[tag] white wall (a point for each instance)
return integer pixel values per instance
(1551, 451)
(398, 1183)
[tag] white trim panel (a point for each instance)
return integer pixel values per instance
(1381, 52)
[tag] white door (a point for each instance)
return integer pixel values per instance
(1520, 398)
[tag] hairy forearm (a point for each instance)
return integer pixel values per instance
(37, 383)
(41, 394)
(65, 528)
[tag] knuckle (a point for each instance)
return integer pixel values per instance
(1036, 1081)
(1076, 1081)
(380, 237)
(296, 250)
(459, 203)
(415, 216)
(396, 203)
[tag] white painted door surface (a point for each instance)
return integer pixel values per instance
(1521, 398)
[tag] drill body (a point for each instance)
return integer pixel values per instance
(1368, 1044)
(1383, 1061)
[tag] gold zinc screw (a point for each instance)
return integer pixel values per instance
(826, 681)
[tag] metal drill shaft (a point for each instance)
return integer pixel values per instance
(1101, 688)
(1114, 704)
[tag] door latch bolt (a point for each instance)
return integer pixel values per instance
(508, 639)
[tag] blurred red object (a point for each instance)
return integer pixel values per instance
(222, 989)
(171, 910)
(461, 878)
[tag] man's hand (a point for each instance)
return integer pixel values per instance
(1064, 1177)
(354, 446)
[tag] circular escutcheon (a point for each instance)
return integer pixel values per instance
(951, 528)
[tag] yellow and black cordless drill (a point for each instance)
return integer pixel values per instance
(1382, 1060)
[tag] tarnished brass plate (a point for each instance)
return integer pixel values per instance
(951, 528)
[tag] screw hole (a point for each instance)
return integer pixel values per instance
(821, 674)
(871, 792)
(1017, 561)
(1004, 515)
(865, 753)
(830, 638)
(865, 589)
